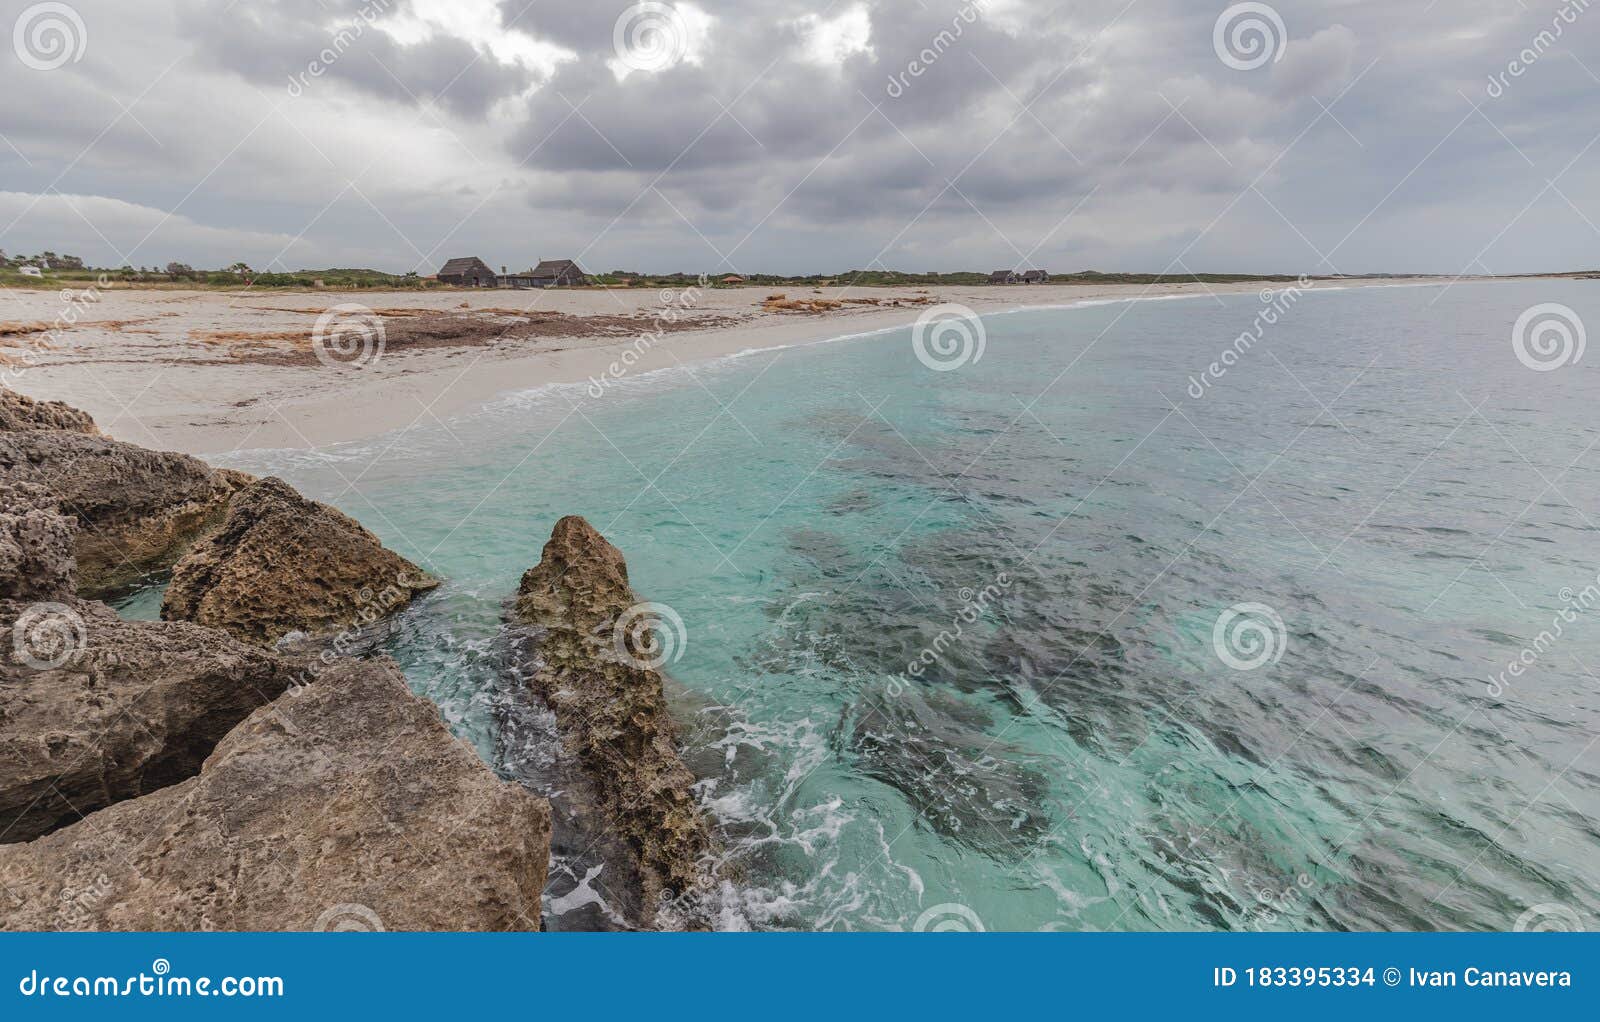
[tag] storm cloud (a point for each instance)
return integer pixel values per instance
(1340, 135)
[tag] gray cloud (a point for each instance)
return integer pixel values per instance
(957, 140)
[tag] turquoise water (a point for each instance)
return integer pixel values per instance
(1410, 501)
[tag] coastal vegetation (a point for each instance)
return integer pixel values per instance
(65, 269)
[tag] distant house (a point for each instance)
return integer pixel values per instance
(1036, 277)
(733, 278)
(1004, 277)
(468, 271)
(554, 273)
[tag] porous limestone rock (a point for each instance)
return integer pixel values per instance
(594, 670)
(136, 509)
(95, 709)
(36, 560)
(280, 563)
(19, 411)
(345, 805)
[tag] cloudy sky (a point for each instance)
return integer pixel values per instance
(1363, 135)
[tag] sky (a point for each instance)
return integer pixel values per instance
(1452, 136)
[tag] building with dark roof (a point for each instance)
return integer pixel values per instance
(468, 271)
(549, 273)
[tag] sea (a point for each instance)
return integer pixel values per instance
(1260, 611)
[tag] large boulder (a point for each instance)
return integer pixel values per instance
(136, 509)
(36, 560)
(596, 672)
(95, 709)
(280, 563)
(18, 411)
(346, 805)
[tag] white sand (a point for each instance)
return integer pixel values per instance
(150, 381)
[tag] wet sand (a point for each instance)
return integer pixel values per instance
(212, 371)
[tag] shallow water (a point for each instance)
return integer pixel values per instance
(1061, 524)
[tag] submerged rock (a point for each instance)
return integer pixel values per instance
(18, 412)
(36, 560)
(136, 509)
(344, 805)
(937, 751)
(280, 563)
(597, 675)
(95, 709)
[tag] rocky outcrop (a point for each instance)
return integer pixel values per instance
(136, 509)
(18, 412)
(36, 560)
(95, 709)
(280, 563)
(596, 672)
(345, 806)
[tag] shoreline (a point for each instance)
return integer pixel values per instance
(144, 364)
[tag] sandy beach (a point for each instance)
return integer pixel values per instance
(205, 372)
